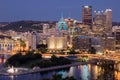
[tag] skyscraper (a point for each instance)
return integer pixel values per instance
(99, 18)
(103, 21)
(99, 22)
(87, 15)
(108, 14)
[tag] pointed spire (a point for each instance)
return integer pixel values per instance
(62, 24)
(61, 14)
(62, 19)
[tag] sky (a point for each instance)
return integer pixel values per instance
(50, 10)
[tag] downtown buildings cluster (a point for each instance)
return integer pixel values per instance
(94, 31)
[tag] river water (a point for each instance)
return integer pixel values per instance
(81, 72)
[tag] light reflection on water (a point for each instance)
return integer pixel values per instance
(81, 72)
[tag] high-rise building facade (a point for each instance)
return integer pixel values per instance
(108, 14)
(99, 23)
(99, 18)
(103, 22)
(87, 15)
(117, 36)
(83, 43)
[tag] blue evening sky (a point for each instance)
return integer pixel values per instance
(15, 10)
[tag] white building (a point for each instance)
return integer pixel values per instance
(57, 43)
(9, 45)
(29, 38)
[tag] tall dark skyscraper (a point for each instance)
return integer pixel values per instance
(87, 15)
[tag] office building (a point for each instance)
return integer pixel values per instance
(87, 15)
(117, 36)
(56, 43)
(82, 43)
(99, 18)
(9, 45)
(108, 14)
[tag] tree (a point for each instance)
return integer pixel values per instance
(54, 58)
(92, 50)
(42, 48)
(28, 60)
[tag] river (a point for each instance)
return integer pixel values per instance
(81, 72)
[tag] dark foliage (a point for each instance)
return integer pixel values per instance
(42, 48)
(59, 61)
(20, 60)
(30, 59)
(92, 50)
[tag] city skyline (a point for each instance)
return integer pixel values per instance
(45, 10)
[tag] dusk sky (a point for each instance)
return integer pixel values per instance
(39, 10)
